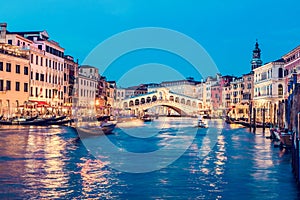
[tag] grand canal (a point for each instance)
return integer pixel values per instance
(53, 162)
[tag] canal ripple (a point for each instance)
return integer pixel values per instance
(53, 163)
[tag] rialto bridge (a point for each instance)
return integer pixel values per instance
(182, 104)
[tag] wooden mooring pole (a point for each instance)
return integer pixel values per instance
(254, 120)
(264, 118)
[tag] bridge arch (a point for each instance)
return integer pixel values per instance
(188, 102)
(182, 101)
(148, 99)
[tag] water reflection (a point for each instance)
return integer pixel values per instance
(50, 163)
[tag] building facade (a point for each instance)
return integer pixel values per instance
(14, 80)
(268, 89)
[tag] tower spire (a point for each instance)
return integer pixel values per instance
(256, 60)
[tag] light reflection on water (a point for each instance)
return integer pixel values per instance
(52, 163)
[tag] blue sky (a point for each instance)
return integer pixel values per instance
(226, 29)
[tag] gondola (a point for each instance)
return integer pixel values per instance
(37, 122)
(60, 122)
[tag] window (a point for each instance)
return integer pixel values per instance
(37, 76)
(25, 70)
(1, 85)
(9, 42)
(31, 58)
(17, 86)
(36, 60)
(49, 93)
(31, 75)
(8, 67)
(41, 61)
(40, 47)
(31, 91)
(8, 87)
(1, 66)
(25, 87)
(280, 89)
(46, 93)
(36, 92)
(46, 62)
(249, 86)
(18, 69)
(280, 73)
(42, 77)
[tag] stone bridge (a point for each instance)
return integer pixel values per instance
(183, 105)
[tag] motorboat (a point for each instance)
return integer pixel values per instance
(147, 118)
(104, 129)
(201, 124)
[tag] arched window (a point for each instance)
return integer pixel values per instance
(137, 102)
(280, 89)
(154, 98)
(148, 100)
(142, 100)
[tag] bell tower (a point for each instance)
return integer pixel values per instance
(256, 61)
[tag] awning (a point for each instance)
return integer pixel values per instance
(40, 103)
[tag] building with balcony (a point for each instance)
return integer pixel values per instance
(268, 89)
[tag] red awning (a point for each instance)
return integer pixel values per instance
(40, 103)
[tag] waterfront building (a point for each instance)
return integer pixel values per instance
(237, 109)
(14, 79)
(225, 93)
(111, 96)
(216, 100)
(268, 89)
(101, 98)
(87, 84)
(292, 64)
(71, 93)
(186, 87)
(210, 81)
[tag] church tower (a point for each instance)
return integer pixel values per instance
(256, 61)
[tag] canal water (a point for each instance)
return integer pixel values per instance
(53, 162)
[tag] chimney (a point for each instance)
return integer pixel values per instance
(3, 32)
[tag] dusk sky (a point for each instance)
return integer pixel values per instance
(226, 29)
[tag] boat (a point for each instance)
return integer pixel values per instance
(36, 122)
(104, 129)
(201, 124)
(147, 118)
(103, 118)
(60, 122)
(54, 119)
